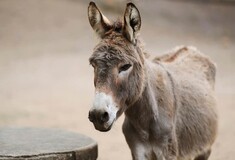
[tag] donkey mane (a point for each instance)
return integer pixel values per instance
(117, 26)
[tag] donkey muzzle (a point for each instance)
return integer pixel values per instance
(100, 119)
(98, 116)
(103, 113)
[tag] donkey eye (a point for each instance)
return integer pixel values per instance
(124, 67)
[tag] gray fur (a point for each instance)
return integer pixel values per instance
(168, 102)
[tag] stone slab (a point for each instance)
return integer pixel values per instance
(45, 144)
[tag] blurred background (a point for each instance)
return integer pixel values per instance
(46, 80)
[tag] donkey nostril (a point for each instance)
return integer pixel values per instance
(91, 117)
(105, 117)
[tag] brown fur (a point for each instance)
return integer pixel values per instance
(168, 102)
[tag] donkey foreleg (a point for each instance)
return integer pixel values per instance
(140, 152)
(163, 153)
(139, 148)
(165, 147)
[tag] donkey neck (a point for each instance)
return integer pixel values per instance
(152, 114)
(146, 106)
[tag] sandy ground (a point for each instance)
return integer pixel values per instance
(46, 80)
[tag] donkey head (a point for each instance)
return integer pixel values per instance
(118, 65)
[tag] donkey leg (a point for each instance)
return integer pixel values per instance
(166, 151)
(139, 149)
(204, 156)
(139, 152)
(170, 151)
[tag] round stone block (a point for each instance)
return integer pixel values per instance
(45, 144)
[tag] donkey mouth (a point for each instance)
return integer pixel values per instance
(102, 128)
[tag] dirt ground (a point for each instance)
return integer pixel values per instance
(46, 80)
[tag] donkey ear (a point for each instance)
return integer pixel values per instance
(132, 22)
(98, 21)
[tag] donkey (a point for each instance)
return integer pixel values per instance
(168, 102)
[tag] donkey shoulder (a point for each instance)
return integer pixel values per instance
(189, 60)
